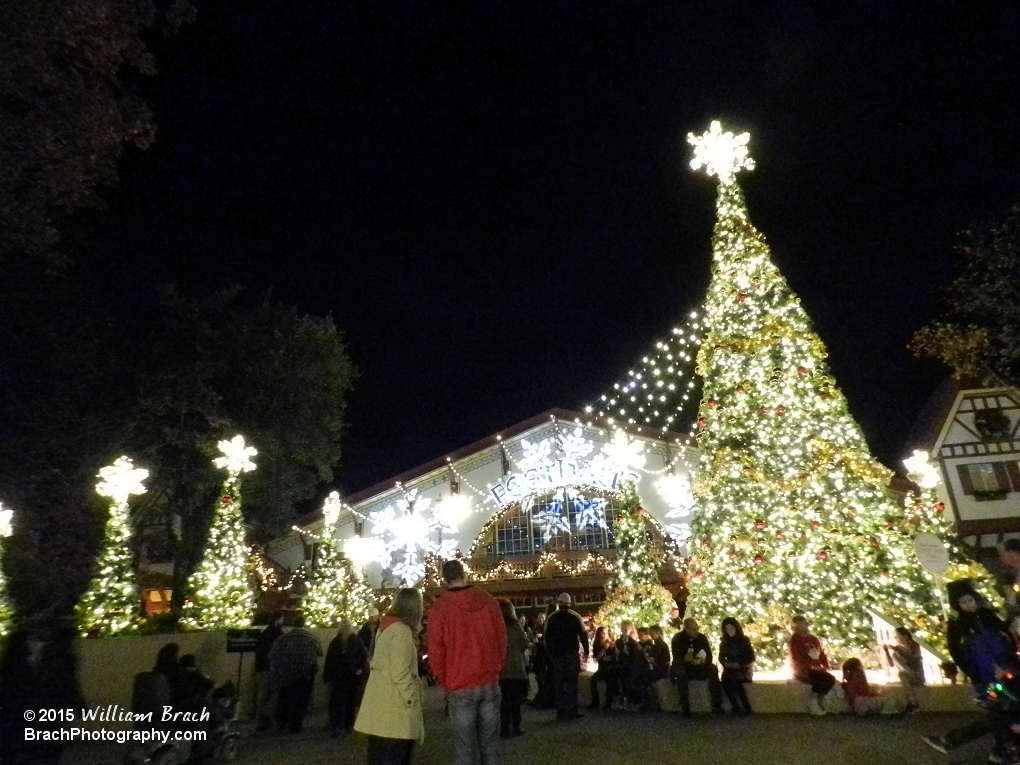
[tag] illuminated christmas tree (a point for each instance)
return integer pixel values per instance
(111, 605)
(335, 591)
(221, 595)
(6, 611)
(794, 514)
(634, 592)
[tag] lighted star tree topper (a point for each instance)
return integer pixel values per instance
(335, 592)
(111, 605)
(6, 611)
(793, 512)
(221, 594)
(634, 592)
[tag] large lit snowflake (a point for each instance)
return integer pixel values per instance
(407, 531)
(921, 471)
(553, 518)
(721, 154)
(575, 446)
(676, 491)
(534, 453)
(120, 480)
(591, 513)
(623, 452)
(6, 521)
(236, 457)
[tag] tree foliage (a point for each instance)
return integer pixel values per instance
(68, 108)
(978, 334)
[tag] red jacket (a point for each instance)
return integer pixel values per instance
(800, 660)
(466, 639)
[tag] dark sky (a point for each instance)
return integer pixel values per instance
(495, 204)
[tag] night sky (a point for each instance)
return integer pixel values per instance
(495, 204)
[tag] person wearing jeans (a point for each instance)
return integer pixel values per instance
(467, 642)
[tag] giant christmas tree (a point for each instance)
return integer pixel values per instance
(634, 592)
(335, 591)
(794, 515)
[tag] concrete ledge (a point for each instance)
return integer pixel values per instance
(792, 697)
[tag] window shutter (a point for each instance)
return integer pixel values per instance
(965, 482)
(1013, 468)
(1001, 475)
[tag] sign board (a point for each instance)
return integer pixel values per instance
(931, 553)
(242, 641)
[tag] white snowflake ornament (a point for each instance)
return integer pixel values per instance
(535, 453)
(236, 457)
(921, 471)
(623, 452)
(721, 154)
(120, 480)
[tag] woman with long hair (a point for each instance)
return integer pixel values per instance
(344, 672)
(391, 710)
(737, 658)
(513, 682)
(604, 653)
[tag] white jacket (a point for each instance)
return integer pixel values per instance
(392, 704)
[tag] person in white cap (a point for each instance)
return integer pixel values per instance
(564, 635)
(369, 630)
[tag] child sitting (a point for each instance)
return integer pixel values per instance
(859, 695)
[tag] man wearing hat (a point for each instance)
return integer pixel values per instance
(565, 640)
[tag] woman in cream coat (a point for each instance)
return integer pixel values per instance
(391, 710)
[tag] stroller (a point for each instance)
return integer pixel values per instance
(152, 692)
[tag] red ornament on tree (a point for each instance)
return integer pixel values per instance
(763, 410)
(713, 404)
(759, 523)
(757, 559)
(779, 535)
(801, 372)
(815, 525)
(823, 555)
(228, 500)
(741, 297)
(640, 511)
(702, 422)
(939, 507)
(780, 410)
(733, 555)
(702, 543)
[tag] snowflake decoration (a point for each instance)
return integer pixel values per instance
(535, 453)
(575, 446)
(6, 521)
(721, 154)
(921, 471)
(331, 509)
(236, 457)
(120, 480)
(623, 453)
(676, 491)
(408, 531)
(552, 520)
(591, 513)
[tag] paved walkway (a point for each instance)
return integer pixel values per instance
(616, 738)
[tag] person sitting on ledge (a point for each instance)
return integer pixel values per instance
(809, 663)
(692, 660)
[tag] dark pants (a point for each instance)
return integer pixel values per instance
(566, 671)
(344, 696)
(612, 681)
(821, 682)
(514, 692)
(292, 704)
(684, 674)
(389, 751)
(733, 685)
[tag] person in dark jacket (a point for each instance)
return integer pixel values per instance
(344, 672)
(194, 685)
(513, 680)
(39, 670)
(657, 655)
(632, 666)
(265, 705)
(294, 663)
(980, 644)
(692, 660)
(565, 639)
(737, 659)
(604, 653)
(369, 630)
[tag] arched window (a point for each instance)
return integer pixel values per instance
(563, 520)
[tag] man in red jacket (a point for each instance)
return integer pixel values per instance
(467, 651)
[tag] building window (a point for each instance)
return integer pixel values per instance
(989, 480)
(558, 522)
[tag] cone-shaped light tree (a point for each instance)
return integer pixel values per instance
(221, 594)
(335, 591)
(111, 605)
(6, 610)
(794, 513)
(634, 592)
